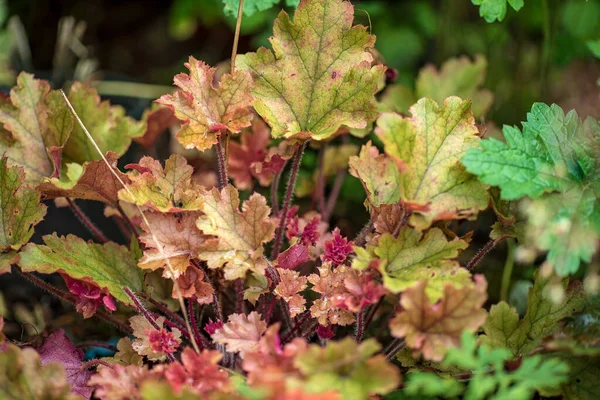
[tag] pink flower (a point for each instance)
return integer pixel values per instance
(211, 326)
(89, 296)
(337, 249)
(162, 341)
(311, 234)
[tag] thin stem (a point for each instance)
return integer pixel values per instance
(126, 232)
(508, 269)
(142, 310)
(361, 238)
(236, 38)
(394, 348)
(95, 363)
(289, 193)
(297, 327)
(173, 325)
(483, 251)
(221, 163)
(311, 330)
(85, 220)
(372, 312)
(69, 298)
(360, 329)
(275, 189)
(239, 296)
(130, 224)
(334, 194)
(163, 308)
(192, 318)
(101, 345)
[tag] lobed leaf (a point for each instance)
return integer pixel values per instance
(492, 10)
(428, 147)
(318, 76)
(207, 110)
(110, 266)
(20, 210)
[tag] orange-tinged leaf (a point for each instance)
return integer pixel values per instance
(330, 284)
(318, 76)
(240, 235)
(36, 123)
(180, 240)
(168, 189)
(430, 329)
(158, 119)
(378, 175)
(20, 211)
(91, 181)
(241, 333)
(289, 288)
(428, 147)
(207, 110)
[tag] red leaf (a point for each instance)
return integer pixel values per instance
(293, 257)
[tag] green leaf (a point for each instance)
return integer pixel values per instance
(318, 76)
(492, 10)
(20, 208)
(412, 257)
(351, 368)
(111, 129)
(231, 7)
(428, 147)
(457, 77)
(109, 266)
(504, 328)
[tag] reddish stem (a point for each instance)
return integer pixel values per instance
(333, 196)
(319, 194)
(130, 224)
(193, 324)
(221, 162)
(360, 326)
(394, 348)
(163, 308)
(85, 220)
(289, 193)
(296, 327)
(239, 293)
(483, 251)
(142, 310)
(275, 189)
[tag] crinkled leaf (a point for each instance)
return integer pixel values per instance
(503, 327)
(457, 77)
(23, 377)
(431, 329)
(59, 348)
(91, 181)
(20, 208)
(241, 333)
(319, 75)
(111, 129)
(289, 288)
(428, 147)
(378, 174)
(413, 257)
(240, 235)
(109, 266)
(36, 123)
(7, 260)
(179, 238)
(206, 110)
(492, 10)
(348, 367)
(231, 7)
(168, 189)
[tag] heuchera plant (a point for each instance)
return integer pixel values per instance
(229, 290)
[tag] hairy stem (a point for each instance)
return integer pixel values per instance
(130, 224)
(360, 328)
(192, 318)
(163, 308)
(221, 163)
(239, 296)
(87, 222)
(508, 269)
(289, 193)
(142, 310)
(394, 348)
(297, 327)
(483, 251)
(361, 238)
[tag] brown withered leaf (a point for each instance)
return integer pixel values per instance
(91, 181)
(179, 237)
(430, 329)
(207, 110)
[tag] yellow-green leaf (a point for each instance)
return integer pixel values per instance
(428, 147)
(109, 266)
(318, 76)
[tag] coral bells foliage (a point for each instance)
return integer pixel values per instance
(246, 288)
